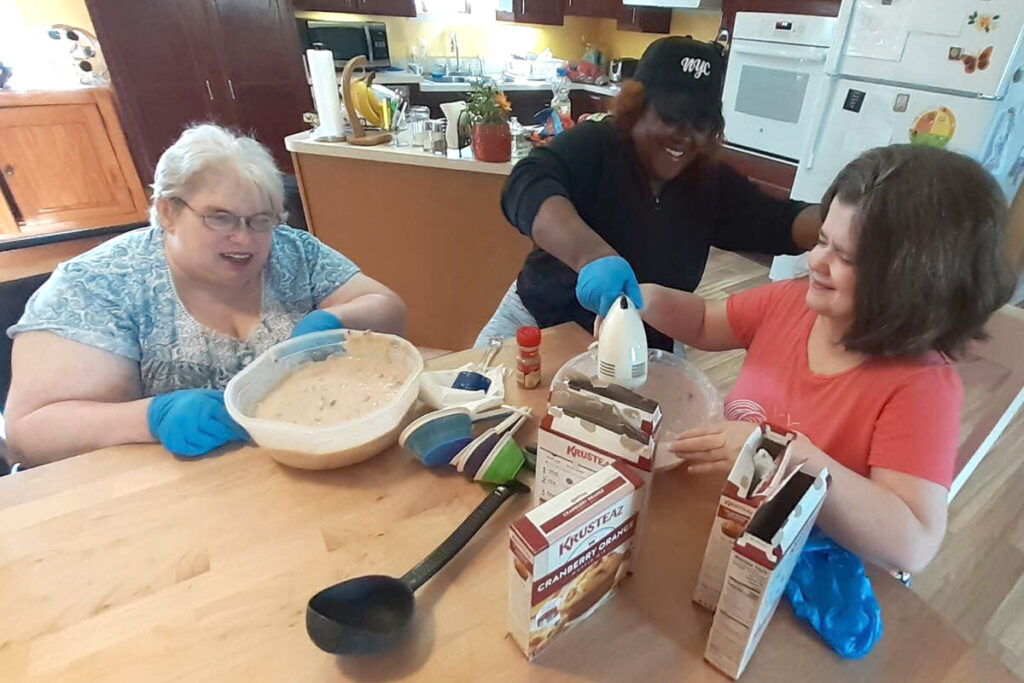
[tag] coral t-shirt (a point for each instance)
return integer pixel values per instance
(898, 414)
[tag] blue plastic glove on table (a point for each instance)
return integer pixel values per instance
(317, 321)
(601, 282)
(830, 591)
(192, 422)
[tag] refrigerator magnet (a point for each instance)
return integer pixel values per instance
(934, 128)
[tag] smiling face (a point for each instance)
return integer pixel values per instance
(833, 278)
(219, 259)
(665, 149)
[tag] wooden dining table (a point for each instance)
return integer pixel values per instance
(129, 564)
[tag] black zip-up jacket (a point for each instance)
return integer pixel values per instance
(666, 239)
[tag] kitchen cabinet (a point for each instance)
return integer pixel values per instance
(774, 177)
(233, 62)
(825, 8)
(584, 102)
(390, 8)
(645, 19)
(603, 9)
(326, 5)
(266, 90)
(550, 12)
(65, 164)
(525, 103)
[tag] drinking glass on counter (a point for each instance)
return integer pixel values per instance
(417, 118)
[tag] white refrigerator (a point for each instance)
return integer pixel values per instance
(948, 73)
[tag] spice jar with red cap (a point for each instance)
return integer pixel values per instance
(528, 360)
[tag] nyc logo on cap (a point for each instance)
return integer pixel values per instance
(696, 67)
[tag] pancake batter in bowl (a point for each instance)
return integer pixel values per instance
(337, 389)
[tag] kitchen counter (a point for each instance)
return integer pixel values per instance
(302, 143)
(130, 564)
(427, 226)
(516, 85)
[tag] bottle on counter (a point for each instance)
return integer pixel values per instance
(560, 92)
(520, 147)
(528, 360)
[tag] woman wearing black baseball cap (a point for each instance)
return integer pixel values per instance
(638, 194)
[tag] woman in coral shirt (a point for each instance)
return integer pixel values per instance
(856, 357)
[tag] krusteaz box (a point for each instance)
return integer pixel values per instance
(758, 469)
(569, 555)
(587, 428)
(760, 565)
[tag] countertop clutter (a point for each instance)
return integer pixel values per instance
(405, 153)
(426, 84)
(154, 587)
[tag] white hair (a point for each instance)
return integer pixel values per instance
(205, 146)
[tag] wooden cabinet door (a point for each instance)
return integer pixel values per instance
(164, 70)
(608, 9)
(550, 12)
(263, 77)
(325, 5)
(584, 102)
(60, 167)
(390, 8)
(646, 19)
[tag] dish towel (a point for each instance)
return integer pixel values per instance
(830, 591)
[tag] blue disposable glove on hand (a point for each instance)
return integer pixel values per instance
(192, 422)
(317, 321)
(830, 591)
(601, 282)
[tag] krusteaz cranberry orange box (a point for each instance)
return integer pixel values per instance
(569, 554)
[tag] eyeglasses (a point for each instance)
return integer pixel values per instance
(225, 222)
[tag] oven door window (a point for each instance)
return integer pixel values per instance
(775, 94)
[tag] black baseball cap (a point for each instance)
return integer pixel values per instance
(683, 80)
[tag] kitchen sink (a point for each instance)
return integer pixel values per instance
(449, 79)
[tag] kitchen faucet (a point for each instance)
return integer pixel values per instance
(454, 42)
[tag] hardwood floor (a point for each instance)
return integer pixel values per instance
(977, 580)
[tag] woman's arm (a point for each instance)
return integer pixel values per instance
(688, 318)
(68, 398)
(559, 230)
(362, 303)
(537, 200)
(892, 519)
(806, 227)
(748, 219)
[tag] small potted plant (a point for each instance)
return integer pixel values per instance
(488, 111)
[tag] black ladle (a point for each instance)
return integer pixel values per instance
(370, 613)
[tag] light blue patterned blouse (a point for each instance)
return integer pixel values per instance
(119, 297)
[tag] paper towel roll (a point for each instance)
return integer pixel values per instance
(325, 95)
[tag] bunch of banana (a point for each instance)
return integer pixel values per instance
(366, 102)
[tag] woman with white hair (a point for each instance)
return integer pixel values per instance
(134, 341)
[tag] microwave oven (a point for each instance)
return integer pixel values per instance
(347, 40)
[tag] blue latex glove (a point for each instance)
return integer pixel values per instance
(601, 282)
(317, 321)
(830, 591)
(192, 422)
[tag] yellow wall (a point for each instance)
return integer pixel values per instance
(40, 13)
(493, 39)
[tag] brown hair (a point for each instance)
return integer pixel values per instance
(931, 261)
